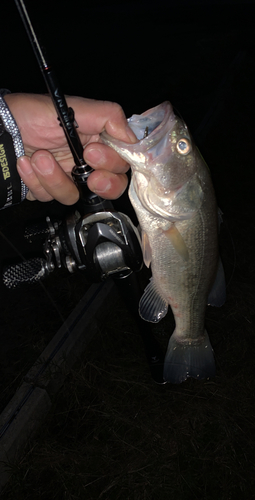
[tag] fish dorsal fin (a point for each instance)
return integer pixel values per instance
(177, 241)
(217, 295)
(146, 249)
(152, 306)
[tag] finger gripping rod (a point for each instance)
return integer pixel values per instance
(65, 114)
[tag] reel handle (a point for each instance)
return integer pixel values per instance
(27, 272)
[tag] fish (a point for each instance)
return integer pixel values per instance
(173, 196)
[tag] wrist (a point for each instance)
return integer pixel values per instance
(12, 188)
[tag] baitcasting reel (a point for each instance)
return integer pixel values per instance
(100, 244)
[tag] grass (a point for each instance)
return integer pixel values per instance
(113, 433)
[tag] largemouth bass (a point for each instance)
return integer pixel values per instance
(173, 196)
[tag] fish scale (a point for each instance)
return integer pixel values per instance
(186, 282)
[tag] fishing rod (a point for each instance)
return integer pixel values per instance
(81, 170)
(101, 242)
(65, 113)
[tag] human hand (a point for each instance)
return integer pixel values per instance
(46, 168)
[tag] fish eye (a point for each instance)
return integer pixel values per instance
(183, 146)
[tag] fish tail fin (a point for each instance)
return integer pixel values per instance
(185, 361)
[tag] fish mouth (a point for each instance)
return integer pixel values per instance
(149, 127)
(149, 124)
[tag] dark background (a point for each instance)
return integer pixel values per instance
(198, 55)
(201, 57)
(142, 53)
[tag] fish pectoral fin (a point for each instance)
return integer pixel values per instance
(146, 249)
(152, 306)
(177, 241)
(217, 295)
(190, 360)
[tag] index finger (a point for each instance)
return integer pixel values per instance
(95, 116)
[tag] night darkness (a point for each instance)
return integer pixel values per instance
(201, 57)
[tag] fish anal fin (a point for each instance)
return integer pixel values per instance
(152, 306)
(190, 360)
(177, 241)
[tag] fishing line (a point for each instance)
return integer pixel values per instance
(66, 335)
(45, 364)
